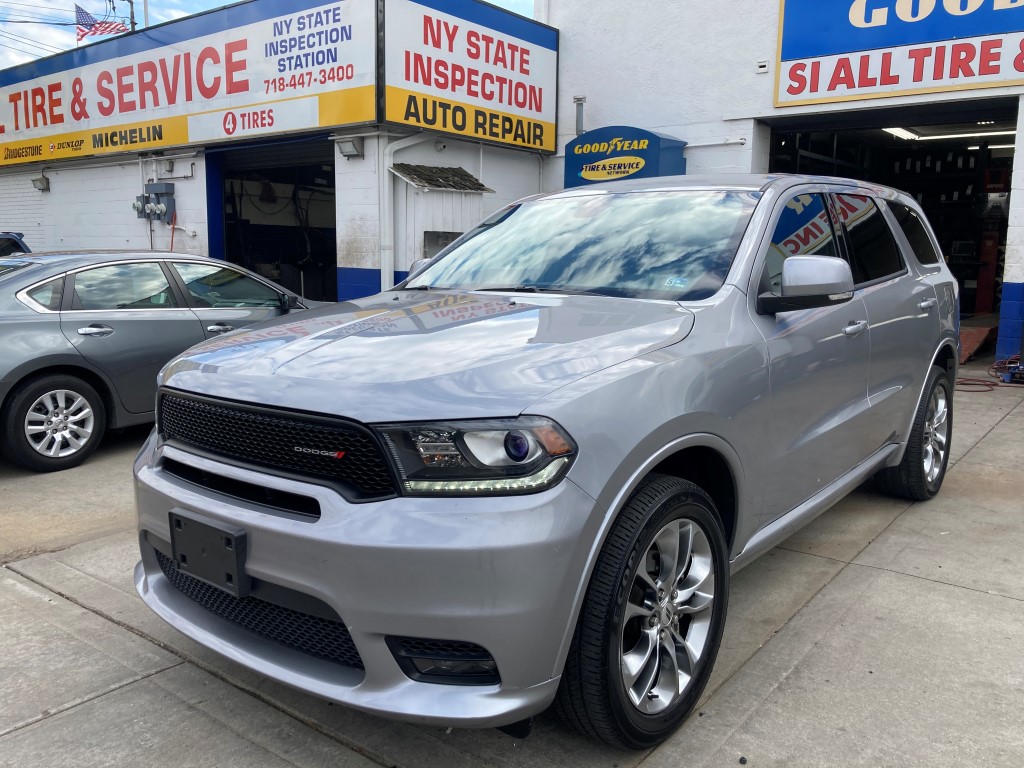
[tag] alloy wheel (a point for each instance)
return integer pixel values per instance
(667, 619)
(59, 423)
(936, 434)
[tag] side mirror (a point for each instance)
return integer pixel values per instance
(809, 282)
(417, 267)
(288, 302)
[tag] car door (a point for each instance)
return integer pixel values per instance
(125, 319)
(818, 373)
(903, 315)
(225, 298)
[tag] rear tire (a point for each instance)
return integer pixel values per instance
(919, 475)
(652, 620)
(53, 422)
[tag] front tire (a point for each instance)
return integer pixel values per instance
(52, 423)
(652, 620)
(919, 475)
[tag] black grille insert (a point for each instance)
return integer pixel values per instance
(324, 638)
(292, 444)
(306, 506)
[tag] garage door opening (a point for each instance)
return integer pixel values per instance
(278, 216)
(956, 162)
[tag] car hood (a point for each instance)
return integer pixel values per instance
(409, 355)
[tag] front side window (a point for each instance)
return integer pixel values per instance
(874, 254)
(211, 285)
(912, 226)
(122, 286)
(804, 229)
(675, 245)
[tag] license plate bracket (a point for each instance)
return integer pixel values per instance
(211, 551)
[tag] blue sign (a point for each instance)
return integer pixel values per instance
(857, 49)
(815, 28)
(621, 152)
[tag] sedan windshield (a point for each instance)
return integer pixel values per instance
(658, 245)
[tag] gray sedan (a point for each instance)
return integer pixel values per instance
(86, 333)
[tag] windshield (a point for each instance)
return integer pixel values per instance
(658, 245)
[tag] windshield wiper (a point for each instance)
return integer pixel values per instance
(513, 289)
(544, 289)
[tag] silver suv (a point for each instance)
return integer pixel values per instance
(524, 476)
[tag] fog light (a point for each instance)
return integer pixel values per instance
(454, 667)
(447, 662)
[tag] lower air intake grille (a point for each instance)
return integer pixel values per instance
(292, 443)
(324, 638)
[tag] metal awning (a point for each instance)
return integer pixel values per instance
(448, 179)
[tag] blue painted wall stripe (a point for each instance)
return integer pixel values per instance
(1011, 321)
(355, 283)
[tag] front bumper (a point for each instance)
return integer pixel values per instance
(500, 572)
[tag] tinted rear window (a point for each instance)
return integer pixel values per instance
(10, 266)
(913, 228)
(874, 252)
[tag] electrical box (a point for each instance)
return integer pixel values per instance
(156, 203)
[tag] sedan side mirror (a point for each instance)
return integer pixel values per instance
(809, 282)
(288, 302)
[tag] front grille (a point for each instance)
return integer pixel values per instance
(280, 440)
(314, 635)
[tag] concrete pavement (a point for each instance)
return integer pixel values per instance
(885, 633)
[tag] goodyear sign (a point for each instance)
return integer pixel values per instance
(619, 152)
(257, 68)
(866, 49)
(471, 69)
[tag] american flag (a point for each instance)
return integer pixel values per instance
(87, 25)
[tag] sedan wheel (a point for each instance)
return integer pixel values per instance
(59, 423)
(652, 621)
(52, 423)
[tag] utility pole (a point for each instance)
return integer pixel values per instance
(131, 13)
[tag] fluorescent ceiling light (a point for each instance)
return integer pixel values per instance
(995, 146)
(901, 133)
(967, 135)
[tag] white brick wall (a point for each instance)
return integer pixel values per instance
(89, 207)
(20, 207)
(1013, 271)
(358, 207)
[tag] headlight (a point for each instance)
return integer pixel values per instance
(479, 458)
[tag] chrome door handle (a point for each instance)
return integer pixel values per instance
(95, 330)
(220, 328)
(855, 327)
(927, 304)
